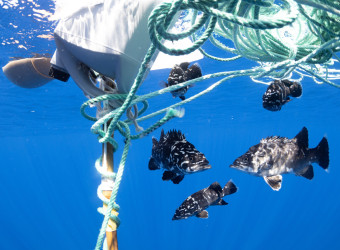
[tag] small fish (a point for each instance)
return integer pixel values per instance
(181, 73)
(278, 92)
(196, 203)
(276, 155)
(177, 156)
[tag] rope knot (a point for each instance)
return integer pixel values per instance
(104, 192)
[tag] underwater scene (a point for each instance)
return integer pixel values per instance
(248, 159)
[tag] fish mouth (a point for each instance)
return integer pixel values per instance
(237, 164)
(202, 166)
(176, 218)
(206, 167)
(238, 167)
(198, 168)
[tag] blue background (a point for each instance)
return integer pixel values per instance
(48, 181)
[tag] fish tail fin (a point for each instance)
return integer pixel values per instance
(153, 165)
(229, 188)
(163, 84)
(193, 72)
(322, 153)
(184, 65)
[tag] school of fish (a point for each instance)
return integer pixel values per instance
(269, 159)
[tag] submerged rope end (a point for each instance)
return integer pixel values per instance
(176, 112)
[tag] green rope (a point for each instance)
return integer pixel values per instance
(257, 30)
(118, 179)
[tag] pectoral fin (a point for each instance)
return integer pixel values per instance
(287, 100)
(203, 215)
(177, 179)
(274, 181)
(168, 175)
(222, 202)
(307, 172)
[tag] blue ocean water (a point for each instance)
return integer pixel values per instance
(48, 182)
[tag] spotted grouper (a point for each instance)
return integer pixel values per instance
(177, 156)
(197, 203)
(182, 73)
(275, 156)
(278, 93)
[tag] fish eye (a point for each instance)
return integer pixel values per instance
(191, 158)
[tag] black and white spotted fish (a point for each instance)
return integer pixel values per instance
(182, 73)
(177, 156)
(276, 155)
(278, 92)
(197, 203)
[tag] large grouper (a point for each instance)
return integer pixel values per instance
(276, 155)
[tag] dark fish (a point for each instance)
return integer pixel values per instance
(278, 92)
(196, 203)
(181, 73)
(177, 156)
(276, 155)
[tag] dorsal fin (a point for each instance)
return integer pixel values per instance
(302, 138)
(154, 142)
(175, 135)
(162, 135)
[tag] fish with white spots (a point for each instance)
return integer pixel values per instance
(182, 73)
(177, 156)
(276, 155)
(278, 93)
(197, 203)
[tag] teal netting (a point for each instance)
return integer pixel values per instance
(287, 38)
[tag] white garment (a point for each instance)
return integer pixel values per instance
(111, 37)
